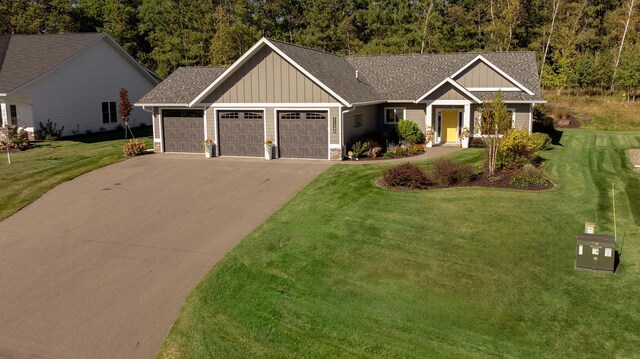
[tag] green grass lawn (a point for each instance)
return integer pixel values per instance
(35, 171)
(347, 269)
(607, 113)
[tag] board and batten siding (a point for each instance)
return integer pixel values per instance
(371, 120)
(481, 75)
(72, 94)
(447, 92)
(268, 78)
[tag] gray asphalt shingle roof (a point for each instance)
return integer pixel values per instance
(380, 78)
(26, 57)
(183, 85)
(408, 77)
(332, 70)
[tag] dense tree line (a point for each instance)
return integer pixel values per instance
(585, 45)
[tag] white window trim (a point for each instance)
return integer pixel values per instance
(513, 116)
(513, 121)
(404, 114)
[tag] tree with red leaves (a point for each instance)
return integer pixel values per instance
(125, 110)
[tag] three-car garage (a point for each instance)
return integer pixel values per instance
(241, 132)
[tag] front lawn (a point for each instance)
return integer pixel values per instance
(35, 171)
(348, 269)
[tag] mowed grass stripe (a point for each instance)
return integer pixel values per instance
(348, 269)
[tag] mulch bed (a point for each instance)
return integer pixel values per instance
(481, 180)
(383, 158)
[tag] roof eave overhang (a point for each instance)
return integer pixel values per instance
(140, 104)
(246, 56)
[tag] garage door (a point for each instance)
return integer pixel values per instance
(241, 133)
(183, 130)
(303, 134)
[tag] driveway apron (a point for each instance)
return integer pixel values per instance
(99, 266)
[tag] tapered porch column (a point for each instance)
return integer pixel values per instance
(466, 122)
(4, 116)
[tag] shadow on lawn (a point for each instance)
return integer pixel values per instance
(556, 136)
(146, 131)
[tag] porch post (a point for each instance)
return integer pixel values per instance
(466, 122)
(4, 116)
(429, 116)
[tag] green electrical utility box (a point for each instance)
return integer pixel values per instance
(595, 252)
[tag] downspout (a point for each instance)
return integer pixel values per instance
(342, 127)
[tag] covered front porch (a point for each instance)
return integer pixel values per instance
(449, 120)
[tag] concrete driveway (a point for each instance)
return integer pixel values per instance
(100, 265)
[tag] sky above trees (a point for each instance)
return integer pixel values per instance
(582, 38)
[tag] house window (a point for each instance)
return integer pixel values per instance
(109, 113)
(595, 251)
(394, 114)
(580, 249)
(357, 121)
(510, 111)
(14, 114)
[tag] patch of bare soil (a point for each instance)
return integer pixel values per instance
(634, 155)
(565, 120)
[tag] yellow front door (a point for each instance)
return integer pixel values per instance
(450, 126)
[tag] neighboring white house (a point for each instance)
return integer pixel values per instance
(70, 79)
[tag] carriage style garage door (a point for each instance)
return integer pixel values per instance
(241, 133)
(303, 134)
(183, 130)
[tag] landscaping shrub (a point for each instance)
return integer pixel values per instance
(409, 131)
(527, 176)
(406, 176)
(517, 149)
(477, 142)
(541, 140)
(415, 149)
(133, 148)
(449, 173)
(360, 149)
(15, 137)
(49, 131)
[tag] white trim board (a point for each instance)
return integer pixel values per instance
(274, 104)
(495, 68)
(454, 84)
(243, 59)
(493, 89)
(277, 135)
(216, 128)
(404, 114)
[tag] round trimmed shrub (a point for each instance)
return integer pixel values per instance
(406, 176)
(409, 131)
(133, 148)
(528, 176)
(450, 173)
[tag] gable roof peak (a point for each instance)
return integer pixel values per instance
(301, 47)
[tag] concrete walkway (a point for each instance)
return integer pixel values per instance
(431, 152)
(100, 265)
